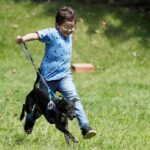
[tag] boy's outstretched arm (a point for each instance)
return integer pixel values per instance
(27, 37)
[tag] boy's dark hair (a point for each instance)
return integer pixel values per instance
(65, 14)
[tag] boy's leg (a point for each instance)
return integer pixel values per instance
(68, 90)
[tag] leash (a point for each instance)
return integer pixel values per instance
(24, 48)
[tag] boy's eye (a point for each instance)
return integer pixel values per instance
(67, 28)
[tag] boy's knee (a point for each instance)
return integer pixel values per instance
(76, 99)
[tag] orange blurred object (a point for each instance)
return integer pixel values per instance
(83, 68)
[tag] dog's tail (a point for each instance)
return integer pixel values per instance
(23, 112)
(36, 83)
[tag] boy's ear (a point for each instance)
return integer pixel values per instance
(57, 25)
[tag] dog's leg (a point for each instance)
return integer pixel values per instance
(36, 113)
(67, 139)
(29, 123)
(65, 135)
(62, 129)
(23, 111)
(36, 83)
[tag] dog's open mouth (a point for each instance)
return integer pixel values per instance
(71, 117)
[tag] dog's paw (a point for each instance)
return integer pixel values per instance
(28, 131)
(75, 140)
(29, 124)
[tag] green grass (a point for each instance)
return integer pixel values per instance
(115, 97)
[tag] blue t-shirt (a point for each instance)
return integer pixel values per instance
(57, 58)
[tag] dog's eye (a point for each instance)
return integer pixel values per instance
(69, 107)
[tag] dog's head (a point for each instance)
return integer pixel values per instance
(67, 108)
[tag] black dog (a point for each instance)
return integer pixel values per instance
(56, 112)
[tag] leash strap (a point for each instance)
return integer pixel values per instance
(29, 57)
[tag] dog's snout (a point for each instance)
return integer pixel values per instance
(74, 115)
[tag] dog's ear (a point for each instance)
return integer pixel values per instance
(22, 113)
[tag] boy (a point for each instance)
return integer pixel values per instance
(55, 66)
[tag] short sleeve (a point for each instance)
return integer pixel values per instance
(45, 35)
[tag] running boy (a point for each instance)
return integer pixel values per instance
(55, 66)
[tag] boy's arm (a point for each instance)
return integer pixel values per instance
(27, 37)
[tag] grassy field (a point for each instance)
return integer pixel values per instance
(116, 96)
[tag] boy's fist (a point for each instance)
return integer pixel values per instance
(19, 40)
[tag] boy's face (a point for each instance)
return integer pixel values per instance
(67, 28)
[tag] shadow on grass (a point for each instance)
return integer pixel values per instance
(114, 22)
(126, 23)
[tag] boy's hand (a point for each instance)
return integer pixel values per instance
(19, 40)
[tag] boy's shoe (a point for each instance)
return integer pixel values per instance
(88, 132)
(29, 123)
